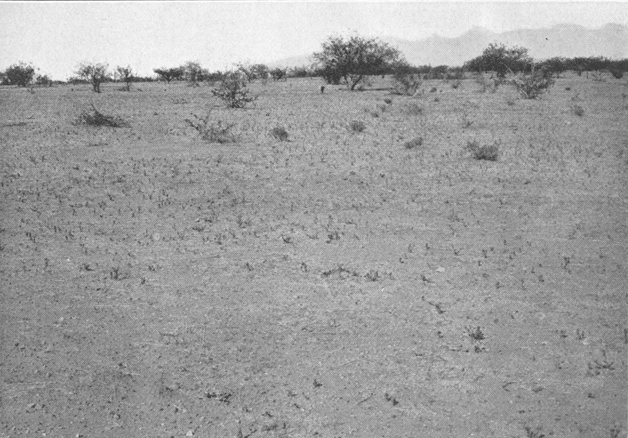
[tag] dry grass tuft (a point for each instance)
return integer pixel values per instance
(96, 118)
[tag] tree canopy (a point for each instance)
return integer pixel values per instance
(353, 59)
(168, 74)
(20, 74)
(501, 60)
(94, 73)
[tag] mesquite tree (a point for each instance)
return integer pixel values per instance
(353, 59)
(95, 73)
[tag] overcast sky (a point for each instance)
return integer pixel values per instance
(57, 36)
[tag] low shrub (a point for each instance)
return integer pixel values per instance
(488, 152)
(357, 126)
(96, 118)
(433, 90)
(406, 84)
(414, 143)
(617, 74)
(578, 110)
(279, 133)
(388, 101)
(532, 86)
(213, 132)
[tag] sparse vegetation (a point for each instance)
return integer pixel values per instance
(96, 118)
(301, 234)
(212, 131)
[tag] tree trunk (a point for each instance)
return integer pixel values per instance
(356, 82)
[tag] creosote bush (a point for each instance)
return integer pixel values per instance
(213, 132)
(488, 152)
(414, 143)
(279, 133)
(532, 86)
(96, 118)
(357, 126)
(578, 110)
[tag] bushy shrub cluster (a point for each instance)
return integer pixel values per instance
(233, 91)
(213, 132)
(533, 85)
(487, 152)
(96, 118)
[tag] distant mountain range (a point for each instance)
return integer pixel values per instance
(568, 40)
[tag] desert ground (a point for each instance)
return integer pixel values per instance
(337, 284)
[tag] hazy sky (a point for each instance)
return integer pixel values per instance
(57, 36)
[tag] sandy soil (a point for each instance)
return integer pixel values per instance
(333, 285)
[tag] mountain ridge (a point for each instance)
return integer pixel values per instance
(563, 39)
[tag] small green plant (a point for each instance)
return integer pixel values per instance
(455, 84)
(433, 90)
(213, 132)
(388, 101)
(414, 143)
(488, 152)
(510, 102)
(578, 110)
(96, 118)
(357, 126)
(279, 133)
